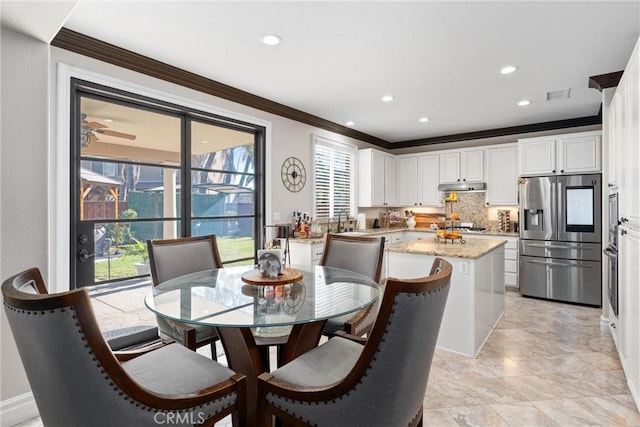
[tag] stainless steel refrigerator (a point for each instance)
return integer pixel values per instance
(560, 238)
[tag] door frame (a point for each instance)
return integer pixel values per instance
(60, 197)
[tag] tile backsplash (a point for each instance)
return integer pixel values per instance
(471, 207)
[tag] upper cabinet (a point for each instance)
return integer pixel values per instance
(461, 166)
(376, 178)
(560, 154)
(502, 175)
(418, 176)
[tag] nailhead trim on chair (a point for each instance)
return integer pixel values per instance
(373, 359)
(113, 385)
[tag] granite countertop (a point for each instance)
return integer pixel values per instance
(472, 249)
(377, 231)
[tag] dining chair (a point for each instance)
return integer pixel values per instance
(77, 380)
(170, 258)
(379, 381)
(360, 254)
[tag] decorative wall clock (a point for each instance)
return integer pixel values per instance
(293, 174)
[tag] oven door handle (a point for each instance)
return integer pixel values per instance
(611, 253)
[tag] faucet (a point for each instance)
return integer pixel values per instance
(340, 212)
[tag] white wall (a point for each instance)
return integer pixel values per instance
(23, 179)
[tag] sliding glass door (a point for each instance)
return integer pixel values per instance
(145, 169)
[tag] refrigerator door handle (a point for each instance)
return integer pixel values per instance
(558, 264)
(542, 245)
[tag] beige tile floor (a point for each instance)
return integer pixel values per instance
(546, 364)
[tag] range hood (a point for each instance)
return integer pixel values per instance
(463, 186)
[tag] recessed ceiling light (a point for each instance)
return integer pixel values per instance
(424, 119)
(271, 39)
(524, 102)
(509, 69)
(387, 98)
(350, 123)
(205, 142)
(108, 120)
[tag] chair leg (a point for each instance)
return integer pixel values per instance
(214, 352)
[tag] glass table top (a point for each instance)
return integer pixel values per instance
(221, 298)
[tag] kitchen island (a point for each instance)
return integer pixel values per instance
(476, 296)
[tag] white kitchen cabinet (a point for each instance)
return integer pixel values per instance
(408, 180)
(393, 237)
(461, 166)
(628, 342)
(617, 134)
(305, 253)
(418, 180)
(376, 178)
(511, 263)
(560, 154)
(502, 175)
(623, 119)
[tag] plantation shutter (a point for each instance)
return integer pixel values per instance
(334, 178)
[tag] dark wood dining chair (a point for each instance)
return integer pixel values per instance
(170, 258)
(77, 380)
(381, 382)
(362, 255)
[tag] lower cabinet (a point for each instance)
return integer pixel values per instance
(510, 258)
(305, 253)
(511, 263)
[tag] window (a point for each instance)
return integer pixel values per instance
(149, 169)
(334, 177)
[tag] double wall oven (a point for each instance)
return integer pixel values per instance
(611, 251)
(560, 238)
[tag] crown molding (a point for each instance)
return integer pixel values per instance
(97, 49)
(102, 51)
(604, 81)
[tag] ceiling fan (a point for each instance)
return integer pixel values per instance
(89, 131)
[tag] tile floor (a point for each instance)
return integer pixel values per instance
(546, 364)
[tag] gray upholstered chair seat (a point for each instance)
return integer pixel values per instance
(77, 380)
(322, 366)
(158, 371)
(379, 384)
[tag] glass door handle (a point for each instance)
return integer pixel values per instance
(84, 255)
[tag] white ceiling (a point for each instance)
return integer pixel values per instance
(439, 59)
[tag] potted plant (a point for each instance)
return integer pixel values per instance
(139, 249)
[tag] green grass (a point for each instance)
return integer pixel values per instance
(124, 266)
(117, 268)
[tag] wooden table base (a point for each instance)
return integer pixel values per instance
(246, 357)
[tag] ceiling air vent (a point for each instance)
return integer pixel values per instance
(558, 94)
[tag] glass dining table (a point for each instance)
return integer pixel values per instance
(250, 314)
